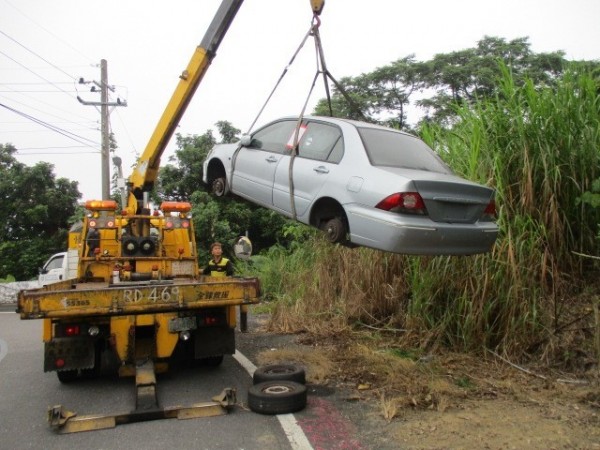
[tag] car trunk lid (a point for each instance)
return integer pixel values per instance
(452, 202)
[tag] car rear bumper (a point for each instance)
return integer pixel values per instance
(418, 235)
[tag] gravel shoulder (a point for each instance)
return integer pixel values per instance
(501, 407)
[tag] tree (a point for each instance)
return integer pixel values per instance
(441, 84)
(183, 176)
(180, 179)
(35, 211)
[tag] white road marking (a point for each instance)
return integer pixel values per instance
(292, 430)
(3, 349)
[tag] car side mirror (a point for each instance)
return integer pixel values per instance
(246, 140)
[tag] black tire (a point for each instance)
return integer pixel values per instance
(211, 361)
(277, 397)
(335, 230)
(219, 186)
(279, 372)
(67, 376)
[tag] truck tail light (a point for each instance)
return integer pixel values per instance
(403, 202)
(212, 318)
(72, 330)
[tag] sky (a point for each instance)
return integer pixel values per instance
(47, 46)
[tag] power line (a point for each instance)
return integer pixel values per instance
(34, 83)
(58, 153)
(65, 133)
(37, 91)
(48, 148)
(34, 53)
(87, 58)
(36, 74)
(47, 104)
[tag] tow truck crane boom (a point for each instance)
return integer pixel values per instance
(146, 171)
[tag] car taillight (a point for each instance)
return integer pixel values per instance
(403, 202)
(490, 211)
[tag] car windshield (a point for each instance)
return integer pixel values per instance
(392, 149)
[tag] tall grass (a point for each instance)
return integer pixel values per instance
(540, 149)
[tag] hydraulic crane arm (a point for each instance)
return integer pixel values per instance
(146, 171)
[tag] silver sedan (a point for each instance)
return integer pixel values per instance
(362, 184)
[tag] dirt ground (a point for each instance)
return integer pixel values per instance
(392, 399)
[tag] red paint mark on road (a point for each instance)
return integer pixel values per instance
(326, 428)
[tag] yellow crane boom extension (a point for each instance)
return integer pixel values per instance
(146, 171)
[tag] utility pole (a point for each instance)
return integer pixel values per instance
(104, 121)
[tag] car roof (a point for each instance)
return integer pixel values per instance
(355, 123)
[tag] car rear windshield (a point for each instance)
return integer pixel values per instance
(392, 149)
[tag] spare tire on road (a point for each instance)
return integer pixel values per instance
(279, 372)
(277, 397)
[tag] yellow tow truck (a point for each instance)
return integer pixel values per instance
(139, 300)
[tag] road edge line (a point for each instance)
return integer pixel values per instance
(292, 430)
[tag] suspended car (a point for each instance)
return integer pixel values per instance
(362, 184)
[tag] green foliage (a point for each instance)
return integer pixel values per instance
(180, 179)
(539, 147)
(592, 198)
(8, 279)
(441, 84)
(224, 219)
(35, 211)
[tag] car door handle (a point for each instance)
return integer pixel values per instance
(271, 159)
(321, 169)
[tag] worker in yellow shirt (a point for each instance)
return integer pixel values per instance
(218, 266)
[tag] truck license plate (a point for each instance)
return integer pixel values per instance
(182, 324)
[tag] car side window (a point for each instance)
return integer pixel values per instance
(321, 142)
(274, 138)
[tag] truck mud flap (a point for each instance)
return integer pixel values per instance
(213, 341)
(69, 354)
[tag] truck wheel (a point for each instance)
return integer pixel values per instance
(67, 376)
(277, 397)
(211, 361)
(279, 372)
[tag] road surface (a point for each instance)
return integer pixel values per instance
(26, 392)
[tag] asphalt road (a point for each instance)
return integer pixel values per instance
(26, 392)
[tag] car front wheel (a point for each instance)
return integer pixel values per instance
(219, 186)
